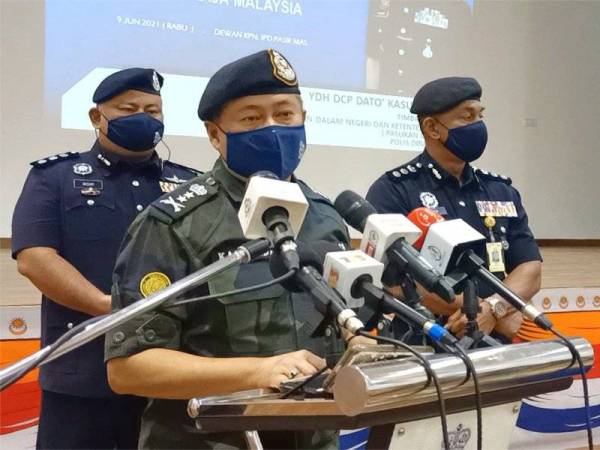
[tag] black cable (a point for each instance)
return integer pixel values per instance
(256, 287)
(462, 354)
(586, 395)
(304, 383)
(431, 375)
(52, 348)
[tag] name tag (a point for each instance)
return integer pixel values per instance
(81, 184)
(496, 209)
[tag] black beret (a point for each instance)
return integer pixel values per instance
(265, 72)
(145, 80)
(443, 94)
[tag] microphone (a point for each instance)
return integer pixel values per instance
(308, 279)
(354, 275)
(423, 218)
(346, 270)
(274, 209)
(453, 244)
(388, 238)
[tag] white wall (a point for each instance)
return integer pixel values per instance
(536, 59)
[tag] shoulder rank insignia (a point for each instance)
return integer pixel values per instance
(400, 172)
(492, 176)
(186, 197)
(50, 160)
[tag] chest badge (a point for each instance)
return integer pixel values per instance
(429, 200)
(82, 169)
(90, 192)
(496, 209)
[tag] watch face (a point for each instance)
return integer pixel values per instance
(499, 309)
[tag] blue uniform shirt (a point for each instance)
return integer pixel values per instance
(81, 204)
(423, 182)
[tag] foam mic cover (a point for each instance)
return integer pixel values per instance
(354, 209)
(423, 218)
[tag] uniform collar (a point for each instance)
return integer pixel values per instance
(234, 184)
(439, 175)
(109, 161)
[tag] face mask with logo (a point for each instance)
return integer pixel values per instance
(276, 148)
(467, 142)
(137, 132)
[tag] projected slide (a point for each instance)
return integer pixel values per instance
(358, 61)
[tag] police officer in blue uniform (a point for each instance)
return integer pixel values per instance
(449, 111)
(67, 227)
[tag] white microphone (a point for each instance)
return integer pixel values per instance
(343, 269)
(267, 197)
(383, 230)
(388, 238)
(452, 246)
(447, 240)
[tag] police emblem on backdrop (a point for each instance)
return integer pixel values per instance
(155, 82)
(82, 169)
(429, 200)
(282, 70)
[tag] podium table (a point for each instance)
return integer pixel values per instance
(382, 394)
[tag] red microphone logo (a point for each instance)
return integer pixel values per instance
(423, 218)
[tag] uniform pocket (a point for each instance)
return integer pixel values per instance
(90, 218)
(259, 322)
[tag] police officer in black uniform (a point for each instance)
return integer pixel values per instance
(67, 226)
(449, 111)
(254, 118)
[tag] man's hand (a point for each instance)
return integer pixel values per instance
(272, 371)
(61, 282)
(485, 320)
(105, 303)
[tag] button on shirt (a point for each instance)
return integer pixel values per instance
(81, 205)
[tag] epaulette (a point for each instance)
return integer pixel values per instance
(404, 171)
(184, 199)
(50, 160)
(312, 194)
(491, 175)
(181, 166)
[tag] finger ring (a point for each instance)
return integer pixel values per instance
(293, 374)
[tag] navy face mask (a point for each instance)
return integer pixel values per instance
(137, 132)
(467, 142)
(276, 148)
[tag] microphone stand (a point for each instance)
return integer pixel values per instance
(473, 335)
(241, 255)
(412, 298)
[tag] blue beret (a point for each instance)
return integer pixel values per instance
(443, 94)
(265, 72)
(145, 80)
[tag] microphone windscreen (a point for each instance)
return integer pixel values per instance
(354, 209)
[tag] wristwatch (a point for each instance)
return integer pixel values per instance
(498, 307)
